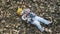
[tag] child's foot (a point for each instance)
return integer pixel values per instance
(49, 22)
(42, 29)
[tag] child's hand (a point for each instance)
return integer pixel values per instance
(24, 17)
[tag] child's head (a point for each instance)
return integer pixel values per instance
(26, 10)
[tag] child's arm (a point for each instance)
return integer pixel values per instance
(24, 17)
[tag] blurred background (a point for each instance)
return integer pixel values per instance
(10, 22)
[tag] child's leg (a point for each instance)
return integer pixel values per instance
(40, 28)
(42, 20)
(37, 24)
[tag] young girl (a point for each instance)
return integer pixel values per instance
(34, 19)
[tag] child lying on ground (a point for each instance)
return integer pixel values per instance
(32, 18)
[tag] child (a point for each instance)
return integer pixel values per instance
(34, 19)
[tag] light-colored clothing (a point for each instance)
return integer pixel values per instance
(36, 20)
(40, 19)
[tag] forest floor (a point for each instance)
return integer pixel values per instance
(10, 22)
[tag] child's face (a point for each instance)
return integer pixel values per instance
(25, 14)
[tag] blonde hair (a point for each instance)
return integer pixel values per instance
(19, 10)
